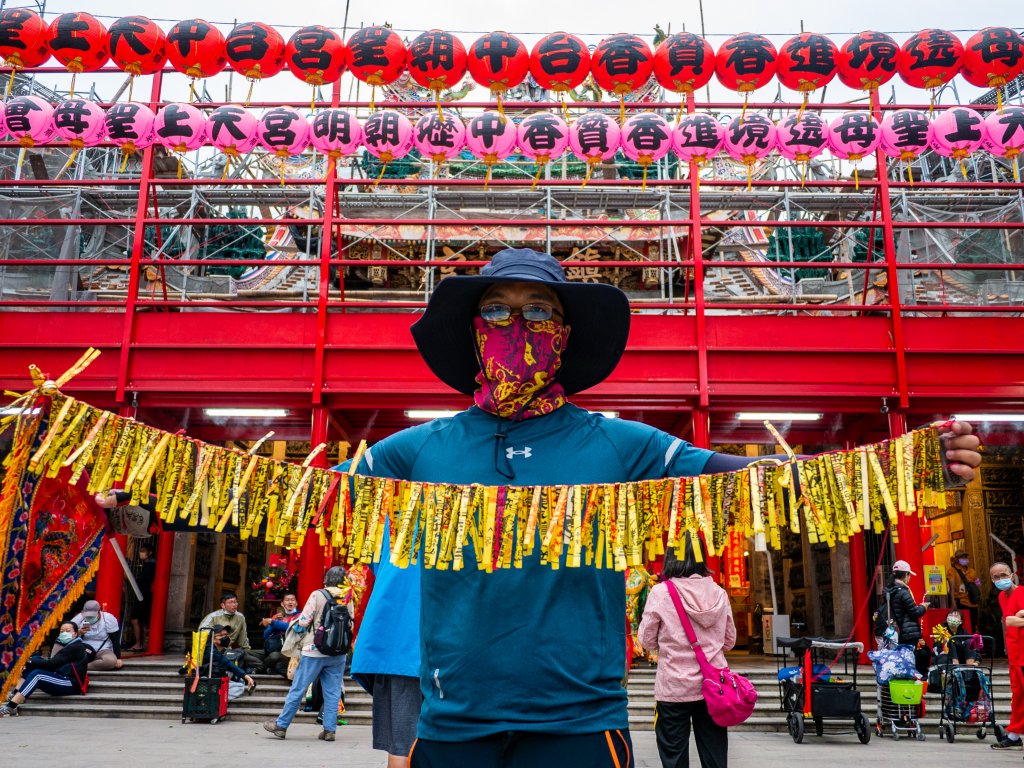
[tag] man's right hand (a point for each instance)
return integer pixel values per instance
(107, 500)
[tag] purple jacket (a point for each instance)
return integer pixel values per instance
(679, 677)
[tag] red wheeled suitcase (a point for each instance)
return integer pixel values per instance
(205, 698)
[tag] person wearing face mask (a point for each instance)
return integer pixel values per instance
(966, 586)
(66, 673)
(240, 681)
(521, 667)
(1011, 601)
(906, 612)
(275, 627)
(232, 618)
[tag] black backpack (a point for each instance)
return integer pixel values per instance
(333, 637)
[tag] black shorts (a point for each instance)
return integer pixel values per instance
(396, 713)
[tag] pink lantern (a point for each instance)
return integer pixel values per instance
(853, 135)
(594, 137)
(543, 137)
(283, 132)
(1005, 132)
(491, 137)
(905, 134)
(387, 135)
(79, 122)
(232, 130)
(3, 120)
(29, 120)
(697, 138)
(129, 126)
(180, 127)
(439, 137)
(748, 139)
(956, 133)
(801, 137)
(336, 133)
(646, 138)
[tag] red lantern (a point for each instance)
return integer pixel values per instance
(868, 60)
(25, 38)
(376, 55)
(316, 55)
(745, 62)
(437, 60)
(79, 42)
(684, 62)
(255, 50)
(807, 62)
(930, 59)
(993, 57)
(622, 63)
(498, 61)
(137, 45)
(559, 62)
(196, 48)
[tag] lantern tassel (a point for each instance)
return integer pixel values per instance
(565, 107)
(622, 109)
(71, 91)
(280, 161)
(373, 97)
(380, 176)
(695, 171)
(248, 96)
(743, 112)
(10, 83)
(679, 114)
(501, 105)
(437, 97)
(179, 167)
(1016, 171)
(540, 170)
(487, 176)
(591, 162)
(643, 184)
(803, 105)
(750, 176)
(437, 169)
(68, 164)
(910, 172)
(931, 105)
(192, 95)
(803, 174)
(312, 100)
(332, 167)
(131, 85)
(999, 99)
(856, 179)
(124, 160)
(963, 168)
(227, 166)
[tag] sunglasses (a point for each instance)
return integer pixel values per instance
(499, 313)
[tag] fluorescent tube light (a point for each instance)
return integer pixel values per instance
(427, 414)
(990, 417)
(16, 411)
(777, 416)
(246, 413)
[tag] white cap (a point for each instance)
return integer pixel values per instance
(903, 565)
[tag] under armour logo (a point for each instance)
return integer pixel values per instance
(526, 453)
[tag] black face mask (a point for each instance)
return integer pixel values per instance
(224, 642)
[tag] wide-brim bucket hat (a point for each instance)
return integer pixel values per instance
(597, 313)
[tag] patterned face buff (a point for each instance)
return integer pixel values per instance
(519, 360)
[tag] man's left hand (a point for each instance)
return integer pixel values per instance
(961, 449)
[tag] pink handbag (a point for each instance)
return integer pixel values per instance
(730, 697)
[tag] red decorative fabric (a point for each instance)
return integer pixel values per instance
(519, 361)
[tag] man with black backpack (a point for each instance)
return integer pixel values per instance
(326, 624)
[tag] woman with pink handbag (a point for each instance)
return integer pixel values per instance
(679, 683)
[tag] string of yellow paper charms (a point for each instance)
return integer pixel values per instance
(441, 525)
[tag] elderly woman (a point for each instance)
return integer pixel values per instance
(677, 684)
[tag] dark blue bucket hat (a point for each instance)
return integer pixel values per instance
(598, 314)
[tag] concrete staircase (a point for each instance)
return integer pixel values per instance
(151, 688)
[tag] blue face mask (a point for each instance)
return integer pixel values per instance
(65, 637)
(1003, 584)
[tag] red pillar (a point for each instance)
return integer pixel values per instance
(161, 583)
(110, 575)
(311, 558)
(702, 439)
(909, 545)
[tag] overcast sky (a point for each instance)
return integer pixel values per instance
(591, 19)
